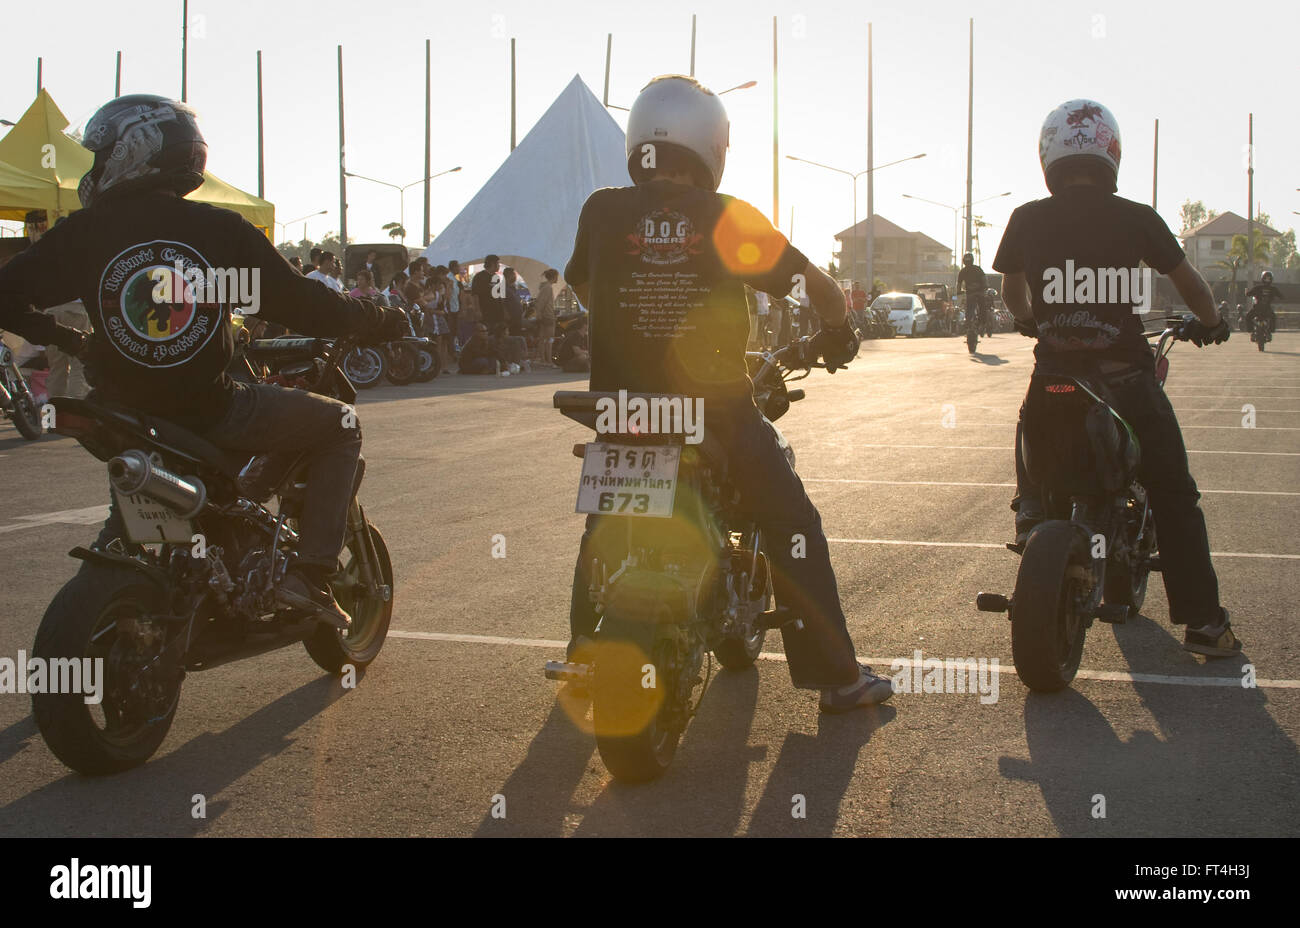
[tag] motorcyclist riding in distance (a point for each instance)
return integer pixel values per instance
(161, 347)
(1085, 223)
(974, 282)
(661, 266)
(1264, 294)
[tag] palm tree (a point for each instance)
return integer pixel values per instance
(395, 230)
(1237, 257)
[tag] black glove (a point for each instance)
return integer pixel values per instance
(72, 341)
(837, 345)
(1199, 334)
(1028, 329)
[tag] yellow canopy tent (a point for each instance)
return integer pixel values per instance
(37, 147)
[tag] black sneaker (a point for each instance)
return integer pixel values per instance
(1213, 640)
(868, 690)
(296, 591)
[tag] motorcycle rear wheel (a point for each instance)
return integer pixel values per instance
(81, 622)
(430, 365)
(365, 367)
(403, 364)
(634, 734)
(1047, 633)
(972, 338)
(329, 647)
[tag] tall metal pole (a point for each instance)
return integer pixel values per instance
(38, 76)
(428, 135)
(871, 177)
(512, 94)
(609, 51)
(1250, 194)
(776, 140)
(1155, 165)
(261, 137)
(692, 45)
(853, 265)
(117, 82)
(970, 131)
(343, 177)
(185, 45)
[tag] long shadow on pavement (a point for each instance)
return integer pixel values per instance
(992, 360)
(132, 803)
(1217, 765)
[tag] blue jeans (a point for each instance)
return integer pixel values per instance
(821, 653)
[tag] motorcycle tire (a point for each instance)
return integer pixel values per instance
(26, 416)
(81, 622)
(635, 741)
(972, 338)
(365, 367)
(403, 364)
(1047, 633)
(430, 363)
(331, 648)
(739, 653)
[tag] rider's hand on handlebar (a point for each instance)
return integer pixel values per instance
(1029, 329)
(1199, 334)
(393, 324)
(838, 345)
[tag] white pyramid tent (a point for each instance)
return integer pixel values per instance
(528, 210)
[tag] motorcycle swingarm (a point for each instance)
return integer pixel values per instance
(155, 575)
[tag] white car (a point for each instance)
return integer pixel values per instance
(907, 312)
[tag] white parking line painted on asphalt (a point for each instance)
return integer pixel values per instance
(1108, 676)
(983, 544)
(856, 444)
(88, 516)
(946, 483)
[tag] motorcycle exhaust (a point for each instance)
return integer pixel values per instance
(132, 472)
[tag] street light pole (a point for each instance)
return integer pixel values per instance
(401, 192)
(303, 220)
(955, 209)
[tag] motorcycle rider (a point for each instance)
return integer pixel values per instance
(1264, 293)
(975, 283)
(1083, 221)
(672, 220)
(167, 355)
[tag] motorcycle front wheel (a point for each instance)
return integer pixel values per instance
(26, 416)
(332, 649)
(403, 363)
(365, 366)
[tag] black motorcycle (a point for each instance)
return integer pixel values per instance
(16, 399)
(670, 590)
(191, 583)
(1261, 333)
(1092, 556)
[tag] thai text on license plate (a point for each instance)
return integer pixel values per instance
(629, 480)
(148, 521)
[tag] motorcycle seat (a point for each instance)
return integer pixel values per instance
(156, 430)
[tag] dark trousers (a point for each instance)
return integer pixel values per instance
(821, 653)
(1190, 581)
(264, 418)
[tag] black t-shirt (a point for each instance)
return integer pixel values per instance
(163, 356)
(1264, 295)
(1080, 252)
(666, 264)
(972, 279)
(492, 308)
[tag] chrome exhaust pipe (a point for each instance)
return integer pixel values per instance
(132, 472)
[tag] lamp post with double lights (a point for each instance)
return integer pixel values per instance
(401, 192)
(284, 226)
(853, 267)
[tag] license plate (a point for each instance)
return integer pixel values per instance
(629, 480)
(150, 522)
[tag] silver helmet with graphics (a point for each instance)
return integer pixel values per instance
(1083, 134)
(683, 119)
(142, 142)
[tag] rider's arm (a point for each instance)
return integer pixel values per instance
(38, 277)
(1191, 286)
(1015, 293)
(825, 295)
(305, 306)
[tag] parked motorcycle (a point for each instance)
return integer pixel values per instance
(678, 572)
(17, 402)
(191, 584)
(1092, 556)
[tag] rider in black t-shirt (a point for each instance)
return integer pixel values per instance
(973, 281)
(1072, 277)
(662, 266)
(1264, 294)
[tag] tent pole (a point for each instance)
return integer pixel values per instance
(185, 44)
(117, 83)
(343, 177)
(609, 50)
(428, 78)
(692, 45)
(38, 76)
(776, 140)
(261, 158)
(512, 94)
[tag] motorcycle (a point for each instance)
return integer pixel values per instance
(976, 323)
(428, 360)
(1092, 556)
(1261, 332)
(679, 575)
(191, 584)
(16, 399)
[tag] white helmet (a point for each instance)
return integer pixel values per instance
(678, 112)
(1075, 131)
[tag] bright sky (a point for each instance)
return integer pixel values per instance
(1198, 66)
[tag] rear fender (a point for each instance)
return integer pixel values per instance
(154, 575)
